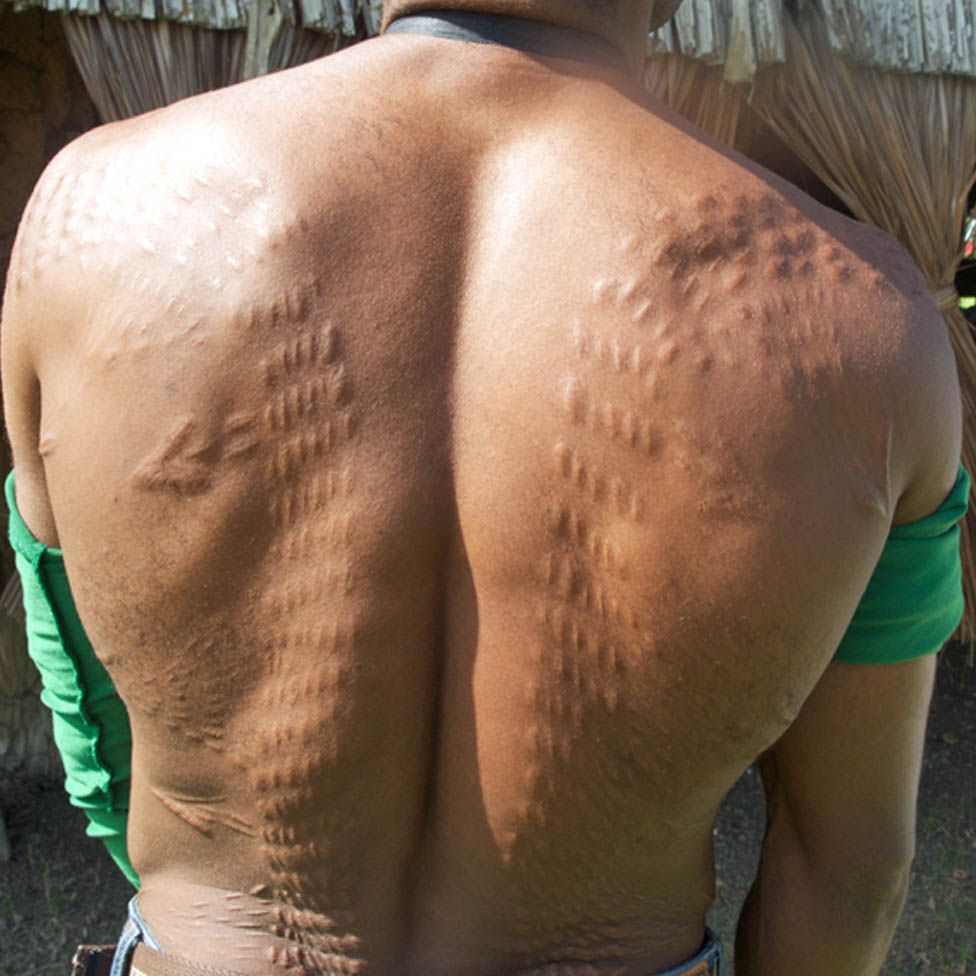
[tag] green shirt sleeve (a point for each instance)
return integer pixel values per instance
(913, 601)
(91, 725)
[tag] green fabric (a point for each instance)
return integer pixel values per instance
(913, 601)
(91, 726)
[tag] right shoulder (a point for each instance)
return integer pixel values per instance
(848, 308)
(861, 304)
(891, 322)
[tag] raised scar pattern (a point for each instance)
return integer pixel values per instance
(309, 415)
(753, 246)
(312, 494)
(574, 469)
(615, 290)
(310, 960)
(335, 577)
(741, 239)
(333, 531)
(295, 453)
(297, 499)
(293, 689)
(203, 816)
(291, 308)
(622, 357)
(78, 212)
(176, 465)
(580, 604)
(173, 700)
(568, 524)
(314, 932)
(328, 637)
(237, 439)
(636, 359)
(184, 463)
(584, 656)
(624, 425)
(309, 420)
(576, 586)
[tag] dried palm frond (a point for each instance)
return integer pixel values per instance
(295, 46)
(18, 676)
(133, 66)
(908, 36)
(700, 94)
(348, 18)
(26, 740)
(900, 151)
(740, 35)
(338, 16)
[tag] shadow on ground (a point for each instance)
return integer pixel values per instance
(60, 888)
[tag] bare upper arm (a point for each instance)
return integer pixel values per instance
(845, 774)
(38, 296)
(928, 409)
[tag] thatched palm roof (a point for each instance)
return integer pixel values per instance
(328, 16)
(913, 36)
(910, 36)
(742, 34)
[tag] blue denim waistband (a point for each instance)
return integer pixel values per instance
(709, 961)
(134, 931)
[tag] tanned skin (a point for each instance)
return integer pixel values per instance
(465, 470)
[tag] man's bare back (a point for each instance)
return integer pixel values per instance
(464, 473)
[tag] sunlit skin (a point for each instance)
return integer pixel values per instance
(465, 469)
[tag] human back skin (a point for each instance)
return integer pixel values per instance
(464, 471)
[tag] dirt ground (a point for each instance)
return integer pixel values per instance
(60, 888)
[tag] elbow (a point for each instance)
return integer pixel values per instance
(876, 884)
(865, 877)
(879, 863)
(870, 886)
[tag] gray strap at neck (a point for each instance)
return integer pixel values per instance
(530, 36)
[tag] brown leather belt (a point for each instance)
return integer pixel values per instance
(97, 961)
(149, 962)
(702, 969)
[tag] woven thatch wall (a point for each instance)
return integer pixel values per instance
(330, 16)
(910, 36)
(43, 105)
(913, 36)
